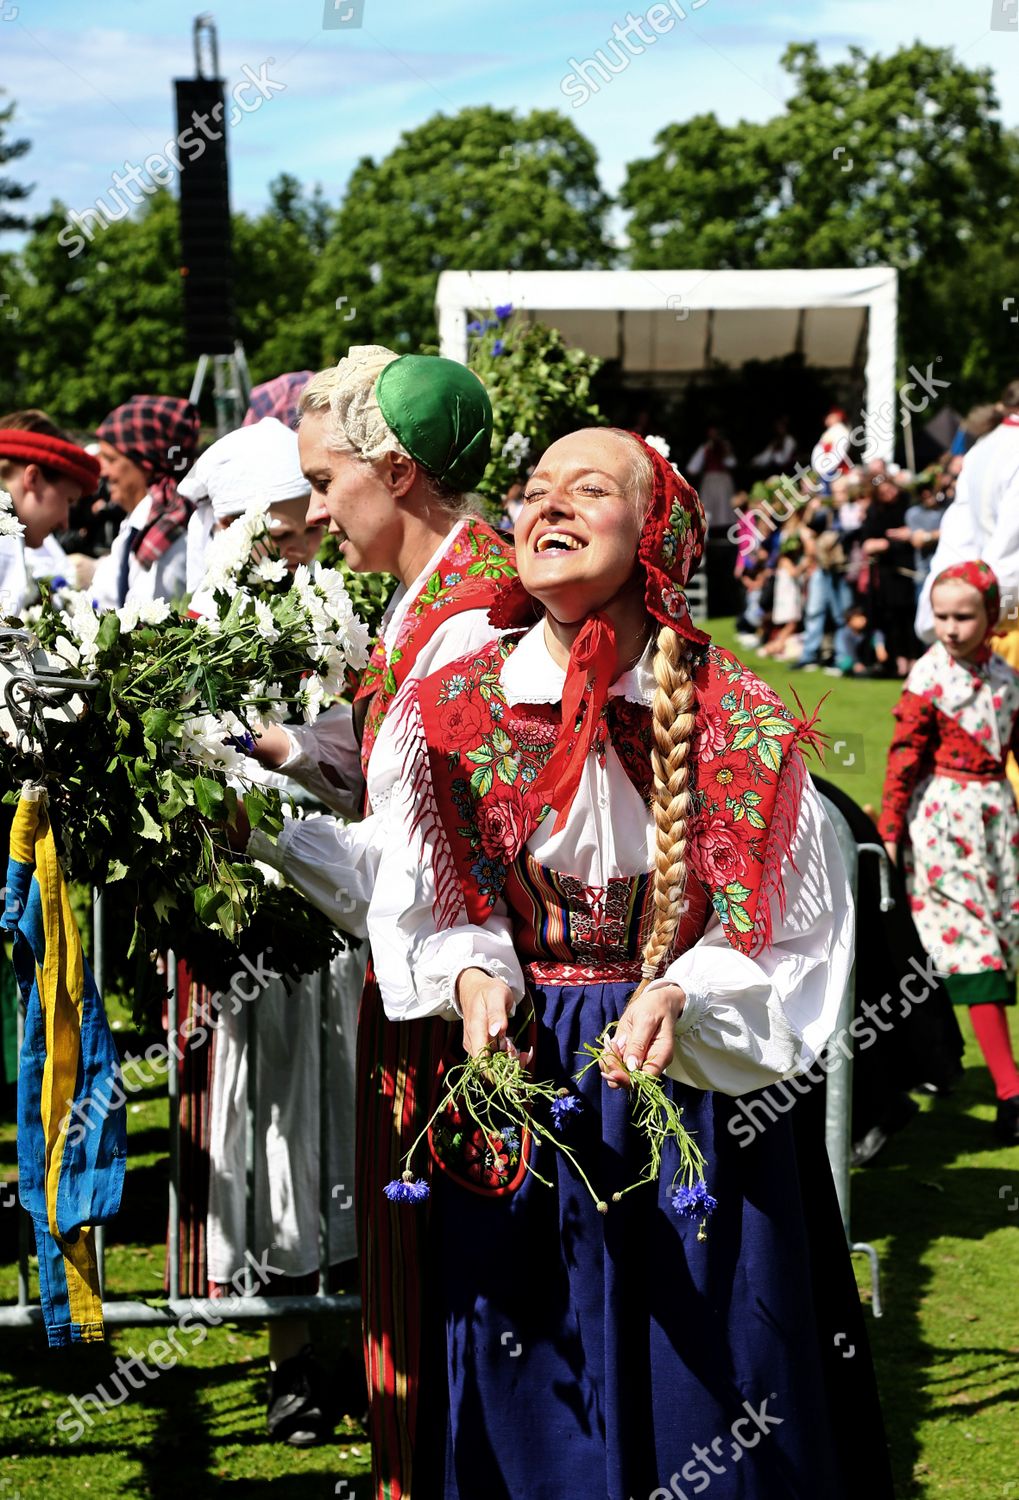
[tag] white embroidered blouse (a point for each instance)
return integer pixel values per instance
(746, 1023)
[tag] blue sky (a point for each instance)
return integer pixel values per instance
(93, 82)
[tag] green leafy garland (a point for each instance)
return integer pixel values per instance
(142, 787)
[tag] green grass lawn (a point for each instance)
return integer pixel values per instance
(937, 1204)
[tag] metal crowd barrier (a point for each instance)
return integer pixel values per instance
(838, 1132)
(172, 1307)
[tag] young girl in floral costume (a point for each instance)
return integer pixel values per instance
(947, 800)
(610, 821)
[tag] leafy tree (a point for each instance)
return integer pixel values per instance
(11, 191)
(898, 161)
(105, 324)
(274, 262)
(480, 189)
(311, 215)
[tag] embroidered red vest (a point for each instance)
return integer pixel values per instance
(476, 565)
(474, 757)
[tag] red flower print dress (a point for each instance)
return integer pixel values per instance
(947, 796)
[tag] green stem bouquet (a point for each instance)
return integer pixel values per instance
(144, 784)
(495, 1094)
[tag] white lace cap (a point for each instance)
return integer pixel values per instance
(353, 405)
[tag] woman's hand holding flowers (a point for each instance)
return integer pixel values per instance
(485, 1004)
(645, 1036)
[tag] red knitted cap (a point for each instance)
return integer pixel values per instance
(52, 453)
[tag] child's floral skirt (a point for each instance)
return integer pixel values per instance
(962, 871)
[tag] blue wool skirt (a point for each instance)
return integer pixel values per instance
(615, 1356)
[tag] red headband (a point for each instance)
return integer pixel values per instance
(51, 453)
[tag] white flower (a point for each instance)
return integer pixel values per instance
(357, 640)
(64, 648)
(516, 447)
(334, 677)
(147, 612)
(659, 445)
(270, 570)
(266, 623)
(202, 739)
(83, 623)
(154, 611)
(230, 550)
(310, 697)
(336, 626)
(271, 706)
(9, 523)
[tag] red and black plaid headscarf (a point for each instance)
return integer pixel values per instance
(277, 398)
(160, 435)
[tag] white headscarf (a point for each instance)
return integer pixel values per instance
(260, 462)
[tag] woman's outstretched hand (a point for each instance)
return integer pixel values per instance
(485, 1004)
(645, 1037)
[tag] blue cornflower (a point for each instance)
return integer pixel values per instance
(498, 347)
(490, 875)
(566, 1104)
(504, 310)
(244, 741)
(491, 323)
(58, 582)
(475, 327)
(510, 1138)
(401, 1191)
(693, 1202)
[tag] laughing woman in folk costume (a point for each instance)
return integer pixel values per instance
(648, 850)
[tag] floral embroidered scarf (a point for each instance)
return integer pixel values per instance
(476, 758)
(476, 565)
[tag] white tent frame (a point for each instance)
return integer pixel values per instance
(463, 293)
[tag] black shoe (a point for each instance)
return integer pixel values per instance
(867, 1148)
(1006, 1124)
(298, 1411)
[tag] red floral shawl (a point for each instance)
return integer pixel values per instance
(473, 758)
(475, 567)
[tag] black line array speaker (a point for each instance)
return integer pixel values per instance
(206, 252)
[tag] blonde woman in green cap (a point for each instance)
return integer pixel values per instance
(391, 446)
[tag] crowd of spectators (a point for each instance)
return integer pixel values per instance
(831, 567)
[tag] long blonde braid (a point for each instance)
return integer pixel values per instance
(672, 723)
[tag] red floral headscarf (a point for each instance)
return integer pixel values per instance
(671, 546)
(982, 578)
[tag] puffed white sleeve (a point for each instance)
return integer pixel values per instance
(749, 1022)
(325, 759)
(333, 863)
(417, 961)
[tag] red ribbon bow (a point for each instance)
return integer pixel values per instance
(585, 692)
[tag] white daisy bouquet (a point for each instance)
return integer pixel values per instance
(144, 784)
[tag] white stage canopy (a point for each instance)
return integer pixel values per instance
(661, 322)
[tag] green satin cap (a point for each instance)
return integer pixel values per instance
(441, 413)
